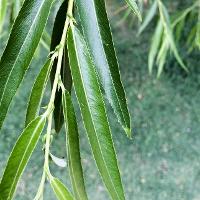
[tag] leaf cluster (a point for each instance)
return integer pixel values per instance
(169, 30)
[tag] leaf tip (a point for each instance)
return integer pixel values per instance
(128, 132)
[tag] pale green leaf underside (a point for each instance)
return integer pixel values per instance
(19, 157)
(162, 54)
(23, 41)
(134, 7)
(60, 190)
(73, 149)
(168, 31)
(151, 13)
(98, 36)
(155, 44)
(93, 111)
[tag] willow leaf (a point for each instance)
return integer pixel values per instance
(24, 38)
(168, 31)
(73, 150)
(37, 92)
(183, 15)
(20, 156)
(93, 111)
(151, 13)
(65, 70)
(134, 7)
(162, 54)
(99, 40)
(156, 40)
(61, 192)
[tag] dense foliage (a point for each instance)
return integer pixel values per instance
(82, 59)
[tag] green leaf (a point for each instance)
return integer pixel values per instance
(155, 45)
(61, 192)
(37, 92)
(65, 70)
(179, 30)
(151, 13)
(162, 54)
(73, 150)
(99, 40)
(168, 31)
(133, 5)
(3, 8)
(93, 111)
(183, 15)
(20, 156)
(23, 41)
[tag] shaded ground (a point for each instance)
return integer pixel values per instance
(162, 162)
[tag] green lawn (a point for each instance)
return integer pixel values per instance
(162, 162)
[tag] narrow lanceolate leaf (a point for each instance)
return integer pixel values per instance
(93, 111)
(20, 156)
(73, 150)
(99, 40)
(61, 192)
(24, 38)
(151, 13)
(162, 54)
(168, 31)
(65, 70)
(133, 5)
(155, 44)
(37, 92)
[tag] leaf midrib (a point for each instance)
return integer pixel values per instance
(92, 120)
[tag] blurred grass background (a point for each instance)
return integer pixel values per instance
(162, 162)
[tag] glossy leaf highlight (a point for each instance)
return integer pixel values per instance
(88, 92)
(23, 41)
(97, 33)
